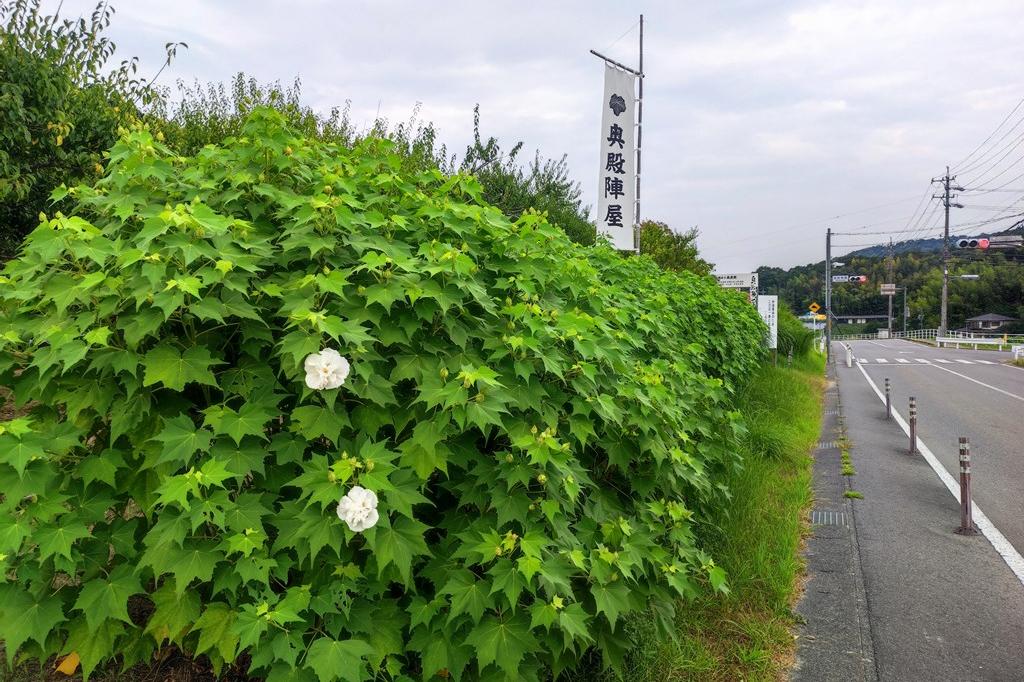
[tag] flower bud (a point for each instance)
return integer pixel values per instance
(287, 151)
(497, 551)
(542, 478)
(331, 476)
(328, 189)
(444, 372)
(509, 458)
(361, 290)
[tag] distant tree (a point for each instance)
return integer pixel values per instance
(672, 250)
(543, 184)
(60, 107)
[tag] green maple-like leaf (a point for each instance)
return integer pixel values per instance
(175, 613)
(18, 452)
(93, 645)
(398, 544)
(22, 618)
(102, 599)
(165, 365)
(181, 440)
(248, 421)
(611, 599)
(57, 540)
(312, 421)
(502, 642)
(196, 560)
(332, 659)
(216, 632)
(469, 594)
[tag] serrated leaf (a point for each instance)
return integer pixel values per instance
(215, 631)
(611, 599)
(101, 599)
(174, 614)
(502, 642)
(93, 645)
(181, 440)
(469, 594)
(332, 659)
(398, 544)
(166, 365)
(58, 539)
(313, 421)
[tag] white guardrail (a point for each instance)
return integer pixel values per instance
(956, 339)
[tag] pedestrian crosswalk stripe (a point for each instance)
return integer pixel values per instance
(964, 362)
(903, 360)
(985, 362)
(921, 360)
(860, 359)
(942, 360)
(881, 360)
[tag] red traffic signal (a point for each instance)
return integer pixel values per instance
(972, 243)
(858, 279)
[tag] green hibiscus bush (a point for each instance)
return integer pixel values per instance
(526, 433)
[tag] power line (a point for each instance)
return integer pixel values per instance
(959, 166)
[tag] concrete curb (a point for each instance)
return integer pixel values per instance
(835, 640)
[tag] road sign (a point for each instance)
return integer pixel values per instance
(814, 307)
(888, 289)
(1005, 241)
(840, 278)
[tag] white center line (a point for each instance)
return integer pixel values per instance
(981, 383)
(1009, 553)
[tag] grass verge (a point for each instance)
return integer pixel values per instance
(747, 634)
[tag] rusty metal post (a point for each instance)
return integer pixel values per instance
(888, 399)
(967, 526)
(913, 425)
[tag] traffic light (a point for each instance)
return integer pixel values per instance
(858, 279)
(972, 243)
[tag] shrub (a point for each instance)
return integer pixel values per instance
(793, 336)
(61, 106)
(672, 250)
(543, 425)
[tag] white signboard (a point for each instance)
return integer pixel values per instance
(768, 308)
(888, 289)
(740, 280)
(840, 278)
(616, 190)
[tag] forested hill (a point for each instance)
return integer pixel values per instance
(927, 245)
(1000, 288)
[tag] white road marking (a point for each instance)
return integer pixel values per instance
(903, 360)
(964, 362)
(922, 360)
(861, 360)
(881, 360)
(985, 362)
(1006, 550)
(943, 361)
(982, 383)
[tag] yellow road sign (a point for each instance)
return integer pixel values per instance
(814, 307)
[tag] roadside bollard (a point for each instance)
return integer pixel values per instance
(913, 425)
(967, 526)
(888, 399)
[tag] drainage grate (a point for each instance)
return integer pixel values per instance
(828, 518)
(828, 445)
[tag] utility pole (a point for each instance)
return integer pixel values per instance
(890, 280)
(947, 185)
(828, 296)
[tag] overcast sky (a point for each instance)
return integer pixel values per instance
(762, 119)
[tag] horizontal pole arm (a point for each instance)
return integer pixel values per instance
(615, 63)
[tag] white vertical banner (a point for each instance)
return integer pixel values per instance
(768, 307)
(616, 191)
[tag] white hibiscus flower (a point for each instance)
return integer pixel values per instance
(358, 508)
(326, 369)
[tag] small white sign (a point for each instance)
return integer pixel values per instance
(888, 289)
(840, 278)
(740, 280)
(768, 308)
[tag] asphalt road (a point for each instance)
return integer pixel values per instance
(984, 402)
(940, 605)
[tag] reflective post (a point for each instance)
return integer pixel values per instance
(888, 399)
(967, 526)
(913, 425)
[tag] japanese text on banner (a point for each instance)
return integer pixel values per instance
(616, 190)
